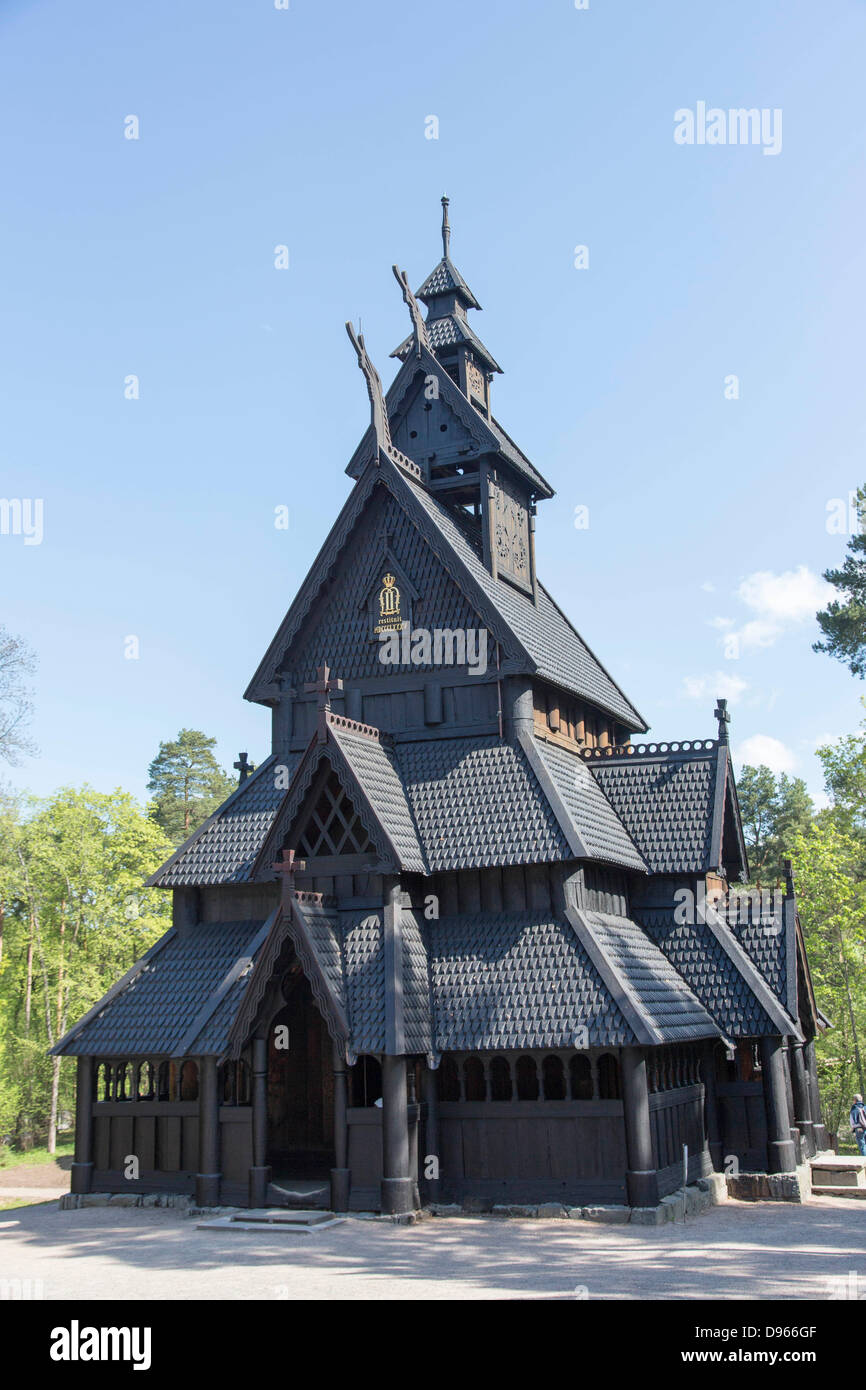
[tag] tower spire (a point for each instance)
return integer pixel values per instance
(446, 229)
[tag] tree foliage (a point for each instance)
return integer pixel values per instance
(773, 810)
(843, 621)
(831, 896)
(17, 662)
(187, 782)
(74, 918)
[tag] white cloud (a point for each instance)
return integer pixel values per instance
(764, 750)
(779, 602)
(707, 587)
(823, 740)
(724, 685)
(721, 622)
(789, 597)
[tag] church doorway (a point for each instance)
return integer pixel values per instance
(300, 1085)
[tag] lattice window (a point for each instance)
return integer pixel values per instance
(334, 826)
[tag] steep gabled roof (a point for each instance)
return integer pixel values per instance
(448, 330)
(651, 994)
(677, 801)
(309, 924)
(719, 971)
(224, 847)
(527, 979)
(546, 641)
(490, 435)
(477, 803)
(168, 1003)
(445, 278)
(588, 820)
(369, 774)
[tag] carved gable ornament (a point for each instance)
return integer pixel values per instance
(390, 615)
(389, 598)
(511, 534)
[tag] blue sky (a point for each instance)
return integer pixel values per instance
(261, 127)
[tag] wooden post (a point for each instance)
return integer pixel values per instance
(341, 1177)
(260, 1173)
(822, 1141)
(641, 1178)
(796, 1137)
(81, 1175)
(207, 1179)
(414, 1113)
(802, 1099)
(711, 1109)
(396, 1181)
(780, 1148)
(430, 1084)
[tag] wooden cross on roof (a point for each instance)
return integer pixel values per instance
(243, 767)
(721, 713)
(323, 686)
(287, 866)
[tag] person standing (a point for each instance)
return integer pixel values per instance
(858, 1122)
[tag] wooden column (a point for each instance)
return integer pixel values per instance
(81, 1175)
(780, 1147)
(396, 1180)
(414, 1116)
(207, 1179)
(802, 1099)
(260, 1173)
(822, 1140)
(430, 1085)
(341, 1177)
(711, 1109)
(641, 1179)
(796, 1137)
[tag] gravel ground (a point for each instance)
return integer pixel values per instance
(739, 1250)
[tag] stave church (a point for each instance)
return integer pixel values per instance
(459, 938)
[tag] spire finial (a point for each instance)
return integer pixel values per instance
(721, 713)
(446, 230)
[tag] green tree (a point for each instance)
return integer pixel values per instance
(78, 918)
(843, 621)
(772, 811)
(832, 905)
(17, 661)
(844, 764)
(187, 782)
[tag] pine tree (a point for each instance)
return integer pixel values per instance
(187, 782)
(843, 622)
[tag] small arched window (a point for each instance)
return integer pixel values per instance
(474, 1085)
(527, 1079)
(145, 1081)
(189, 1081)
(366, 1081)
(553, 1073)
(608, 1077)
(449, 1081)
(163, 1088)
(500, 1079)
(580, 1076)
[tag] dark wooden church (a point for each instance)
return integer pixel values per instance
(458, 937)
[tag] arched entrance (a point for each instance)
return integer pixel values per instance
(300, 1084)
